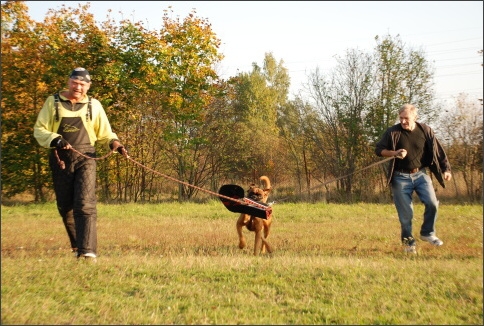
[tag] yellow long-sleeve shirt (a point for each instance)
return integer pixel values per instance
(98, 126)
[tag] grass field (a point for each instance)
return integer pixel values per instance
(180, 264)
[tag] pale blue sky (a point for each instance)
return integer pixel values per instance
(308, 34)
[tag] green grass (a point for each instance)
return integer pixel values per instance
(180, 264)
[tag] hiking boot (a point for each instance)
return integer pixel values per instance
(432, 239)
(411, 249)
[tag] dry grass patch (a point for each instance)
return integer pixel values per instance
(180, 264)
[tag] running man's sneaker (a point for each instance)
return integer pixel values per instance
(411, 249)
(432, 239)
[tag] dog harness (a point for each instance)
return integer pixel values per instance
(251, 207)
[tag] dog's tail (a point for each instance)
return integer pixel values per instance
(265, 182)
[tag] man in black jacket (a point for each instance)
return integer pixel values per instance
(416, 148)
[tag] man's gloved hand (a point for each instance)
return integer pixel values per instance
(121, 150)
(59, 142)
(117, 146)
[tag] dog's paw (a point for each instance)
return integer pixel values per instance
(269, 248)
(242, 243)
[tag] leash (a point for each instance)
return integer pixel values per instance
(62, 164)
(243, 201)
(345, 176)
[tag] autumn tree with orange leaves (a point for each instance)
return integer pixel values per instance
(154, 85)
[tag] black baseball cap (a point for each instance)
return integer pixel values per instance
(80, 74)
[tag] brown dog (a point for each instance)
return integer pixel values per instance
(260, 226)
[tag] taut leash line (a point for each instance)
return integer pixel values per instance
(345, 176)
(243, 201)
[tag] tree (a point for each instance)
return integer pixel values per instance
(293, 133)
(259, 95)
(191, 53)
(340, 101)
(462, 130)
(401, 75)
(23, 90)
(155, 86)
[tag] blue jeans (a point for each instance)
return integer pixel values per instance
(403, 186)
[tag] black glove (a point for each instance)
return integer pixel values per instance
(59, 142)
(121, 149)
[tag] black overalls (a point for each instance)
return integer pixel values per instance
(75, 185)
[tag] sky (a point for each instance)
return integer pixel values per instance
(309, 35)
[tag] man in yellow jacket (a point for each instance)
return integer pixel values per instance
(73, 120)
